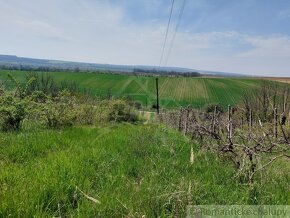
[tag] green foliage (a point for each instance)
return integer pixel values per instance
(47, 84)
(86, 112)
(39, 97)
(12, 112)
(115, 111)
(61, 111)
(13, 106)
(21, 90)
(2, 90)
(56, 112)
(36, 102)
(65, 109)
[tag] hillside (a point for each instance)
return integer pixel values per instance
(174, 92)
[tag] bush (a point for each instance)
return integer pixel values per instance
(36, 107)
(136, 105)
(116, 111)
(86, 113)
(47, 84)
(61, 111)
(39, 97)
(12, 112)
(2, 90)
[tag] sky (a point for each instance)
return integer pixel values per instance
(237, 36)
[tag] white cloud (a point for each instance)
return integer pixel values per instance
(96, 31)
(41, 29)
(275, 47)
(234, 52)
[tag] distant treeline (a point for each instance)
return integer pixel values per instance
(39, 68)
(166, 73)
(135, 71)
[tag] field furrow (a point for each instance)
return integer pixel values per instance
(173, 91)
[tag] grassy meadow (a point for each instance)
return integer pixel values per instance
(120, 170)
(73, 155)
(174, 92)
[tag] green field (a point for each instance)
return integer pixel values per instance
(174, 92)
(127, 170)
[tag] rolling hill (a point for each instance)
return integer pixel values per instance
(14, 62)
(174, 91)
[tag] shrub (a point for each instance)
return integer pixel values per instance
(47, 84)
(61, 111)
(116, 111)
(2, 90)
(86, 113)
(136, 105)
(39, 97)
(36, 107)
(12, 112)
(19, 105)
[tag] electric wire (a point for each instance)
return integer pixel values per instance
(176, 30)
(166, 34)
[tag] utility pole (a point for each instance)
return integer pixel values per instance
(157, 96)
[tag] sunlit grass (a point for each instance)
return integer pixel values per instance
(131, 170)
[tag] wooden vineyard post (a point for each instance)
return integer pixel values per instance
(230, 129)
(250, 119)
(160, 117)
(157, 96)
(186, 121)
(180, 120)
(242, 122)
(213, 119)
(276, 122)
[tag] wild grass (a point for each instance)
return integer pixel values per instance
(120, 170)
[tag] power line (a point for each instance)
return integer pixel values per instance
(176, 30)
(166, 35)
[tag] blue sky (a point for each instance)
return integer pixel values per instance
(240, 36)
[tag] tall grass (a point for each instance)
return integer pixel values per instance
(120, 170)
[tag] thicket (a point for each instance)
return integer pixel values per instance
(252, 134)
(42, 100)
(262, 102)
